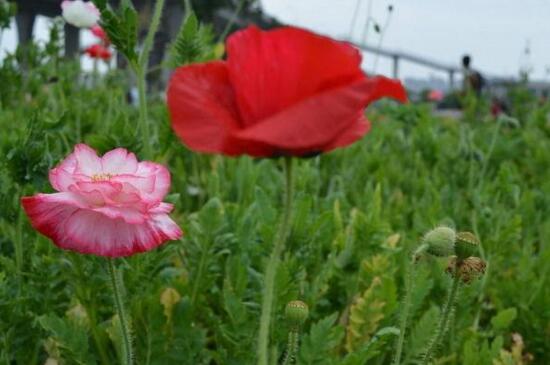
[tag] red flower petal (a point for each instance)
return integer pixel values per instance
(353, 133)
(203, 110)
(274, 70)
(316, 121)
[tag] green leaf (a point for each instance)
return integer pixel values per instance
(71, 338)
(194, 43)
(504, 318)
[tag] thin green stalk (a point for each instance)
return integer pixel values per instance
(150, 37)
(443, 320)
(272, 265)
(380, 41)
(232, 20)
(188, 7)
(198, 278)
(292, 347)
(367, 23)
(143, 115)
(489, 154)
(409, 285)
(127, 355)
(354, 19)
(19, 243)
(140, 69)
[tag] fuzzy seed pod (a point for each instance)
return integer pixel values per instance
(469, 269)
(467, 244)
(440, 241)
(296, 312)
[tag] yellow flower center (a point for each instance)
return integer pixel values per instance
(101, 177)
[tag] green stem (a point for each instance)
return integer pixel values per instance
(443, 320)
(489, 154)
(150, 37)
(229, 24)
(127, 355)
(188, 7)
(140, 68)
(143, 115)
(409, 286)
(271, 269)
(19, 243)
(292, 347)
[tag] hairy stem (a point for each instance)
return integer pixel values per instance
(409, 286)
(127, 355)
(292, 347)
(272, 265)
(443, 320)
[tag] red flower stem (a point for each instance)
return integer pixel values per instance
(127, 353)
(273, 264)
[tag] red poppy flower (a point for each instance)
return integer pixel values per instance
(281, 92)
(98, 51)
(99, 33)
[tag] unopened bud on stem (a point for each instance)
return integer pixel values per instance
(467, 244)
(296, 313)
(440, 241)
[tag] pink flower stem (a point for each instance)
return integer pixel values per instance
(127, 353)
(272, 265)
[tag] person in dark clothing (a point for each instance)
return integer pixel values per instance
(473, 80)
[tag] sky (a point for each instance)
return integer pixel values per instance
(495, 32)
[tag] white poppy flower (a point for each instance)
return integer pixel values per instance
(79, 13)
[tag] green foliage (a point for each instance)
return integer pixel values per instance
(121, 26)
(193, 43)
(7, 11)
(358, 214)
(504, 318)
(70, 338)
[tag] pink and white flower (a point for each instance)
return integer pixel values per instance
(81, 14)
(107, 206)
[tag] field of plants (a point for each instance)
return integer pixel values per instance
(361, 276)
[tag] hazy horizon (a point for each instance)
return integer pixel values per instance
(494, 32)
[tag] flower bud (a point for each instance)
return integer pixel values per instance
(467, 244)
(440, 241)
(296, 312)
(469, 269)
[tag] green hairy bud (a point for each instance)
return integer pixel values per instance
(440, 241)
(296, 312)
(467, 244)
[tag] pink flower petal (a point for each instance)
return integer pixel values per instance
(162, 208)
(61, 179)
(59, 217)
(87, 161)
(162, 180)
(110, 206)
(119, 161)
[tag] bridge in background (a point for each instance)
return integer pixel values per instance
(493, 82)
(397, 57)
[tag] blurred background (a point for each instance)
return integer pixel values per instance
(419, 41)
